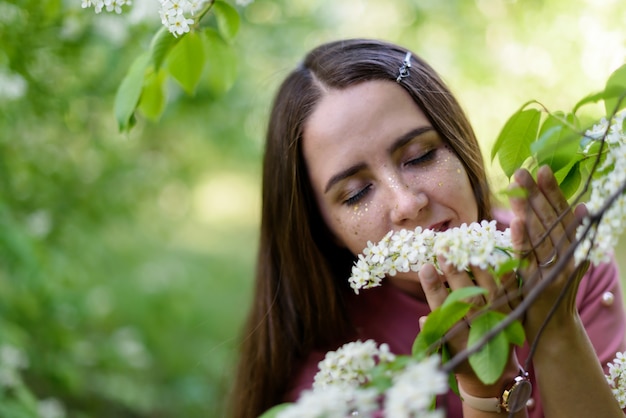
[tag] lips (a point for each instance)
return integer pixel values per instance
(440, 227)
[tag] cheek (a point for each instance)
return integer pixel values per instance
(353, 228)
(454, 185)
(450, 173)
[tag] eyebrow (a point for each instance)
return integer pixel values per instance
(397, 144)
(407, 137)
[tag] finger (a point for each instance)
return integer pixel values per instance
(459, 279)
(548, 185)
(528, 233)
(546, 214)
(523, 245)
(535, 205)
(485, 280)
(510, 290)
(422, 321)
(581, 212)
(433, 286)
(549, 205)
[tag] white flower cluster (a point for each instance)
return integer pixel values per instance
(617, 378)
(351, 364)
(338, 391)
(175, 14)
(477, 244)
(414, 389)
(333, 402)
(603, 237)
(108, 5)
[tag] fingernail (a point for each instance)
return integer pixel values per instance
(422, 321)
(428, 274)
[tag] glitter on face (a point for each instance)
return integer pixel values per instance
(418, 183)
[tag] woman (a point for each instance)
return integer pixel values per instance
(365, 138)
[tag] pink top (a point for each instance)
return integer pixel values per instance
(388, 315)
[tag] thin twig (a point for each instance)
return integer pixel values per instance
(536, 291)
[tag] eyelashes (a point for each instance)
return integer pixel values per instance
(428, 156)
(422, 159)
(354, 199)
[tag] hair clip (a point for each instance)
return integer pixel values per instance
(404, 70)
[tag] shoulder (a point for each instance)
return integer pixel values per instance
(601, 308)
(597, 281)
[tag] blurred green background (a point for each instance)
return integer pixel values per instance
(126, 260)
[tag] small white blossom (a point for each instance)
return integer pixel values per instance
(175, 14)
(179, 24)
(477, 244)
(108, 5)
(617, 378)
(340, 388)
(333, 402)
(414, 390)
(610, 179)
(351, 364)
(598, 130)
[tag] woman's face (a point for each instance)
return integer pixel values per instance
(376, 164)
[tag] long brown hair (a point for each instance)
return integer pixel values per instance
(301, 272)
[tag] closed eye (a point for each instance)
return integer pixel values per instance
(355, 198)
(423, 158)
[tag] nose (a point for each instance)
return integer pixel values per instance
(406, 204)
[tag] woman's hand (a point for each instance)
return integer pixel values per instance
(435, 287)
(542, 231)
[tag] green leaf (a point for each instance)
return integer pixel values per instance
(186, 61)
(557, 144)
(162, 43)
(515, 333)
(507, 267)
(227, 19)
(616, 84)
(446, 356)
(437, 323)
(381, 374)
(221, 63)
(463, 293)
(152, 102)
(572, 180)
(129, 91)
(273, 412)
(489, 362)
(52, 10)
(440, 320)
(513, 144)
(610, 92)
(514, 192)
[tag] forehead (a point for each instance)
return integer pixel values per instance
(362, 114)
